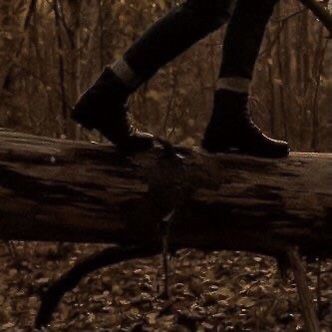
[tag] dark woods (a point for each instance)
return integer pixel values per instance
(51, 50)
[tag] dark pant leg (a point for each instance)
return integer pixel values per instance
(176, 32)
(244, 37)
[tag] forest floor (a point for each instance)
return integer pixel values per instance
(224, 291)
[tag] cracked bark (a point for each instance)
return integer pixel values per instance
(52, 190)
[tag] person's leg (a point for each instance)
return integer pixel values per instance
(231, 127)
(102, 107)
(170, 36)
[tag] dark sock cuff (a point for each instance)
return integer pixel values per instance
(126, 74)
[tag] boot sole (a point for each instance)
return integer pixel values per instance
(241, 151)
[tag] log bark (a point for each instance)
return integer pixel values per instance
(55, 190)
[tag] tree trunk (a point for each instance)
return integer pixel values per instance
(5, 78)
(53, 190)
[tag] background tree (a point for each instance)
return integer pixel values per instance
(50, 51)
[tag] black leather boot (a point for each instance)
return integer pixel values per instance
(231, 129)
(104, 107)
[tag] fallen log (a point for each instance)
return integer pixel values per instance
(164, 199)
(55, 190)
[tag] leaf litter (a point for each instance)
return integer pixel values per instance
(217, 291)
